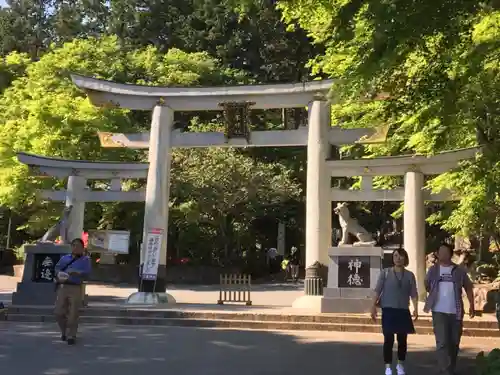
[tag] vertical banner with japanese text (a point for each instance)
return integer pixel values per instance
(153, 244)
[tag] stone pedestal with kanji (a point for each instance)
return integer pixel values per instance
(352, 274)
(37, 286)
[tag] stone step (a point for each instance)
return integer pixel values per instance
(233, 323)
(240, 316)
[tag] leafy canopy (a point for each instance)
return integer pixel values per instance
(430, 69)
(216, 194)
(42, 112)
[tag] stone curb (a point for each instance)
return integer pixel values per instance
(234, 323)
(243, 316)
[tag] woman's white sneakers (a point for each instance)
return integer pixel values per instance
(400, 370)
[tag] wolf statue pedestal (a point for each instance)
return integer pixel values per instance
(352, 275)
(37, 286)
(353, 270)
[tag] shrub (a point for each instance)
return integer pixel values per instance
(19, 253)
(488, 364)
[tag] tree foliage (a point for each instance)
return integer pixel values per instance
(436, 66)
(256, 42)
(42, 112)
(223, 191)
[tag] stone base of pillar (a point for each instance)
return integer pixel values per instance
(158, 286)
(327, 304)
(346, 301)
(155, 299)
(313, 288)
(313, 283)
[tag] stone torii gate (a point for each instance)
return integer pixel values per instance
(414, 195)
(77, 193)
(413, 167)
(235, 102)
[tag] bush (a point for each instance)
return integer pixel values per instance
(488, 364)
(19, 253)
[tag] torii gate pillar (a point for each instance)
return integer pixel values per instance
(414, 227)
(75, 191)
(157, 191)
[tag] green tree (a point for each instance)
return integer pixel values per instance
(221, 191)
(256, 42)
(12, 66)
(71, 19)
(31, 26)
(224, 192)
(434, 68)
(44, 113)
(24, 26)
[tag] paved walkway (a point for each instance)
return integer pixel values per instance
(270, 298)
(276, 295)
(36, 350)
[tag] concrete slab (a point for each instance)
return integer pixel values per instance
(103, 350)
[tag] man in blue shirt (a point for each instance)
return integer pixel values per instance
(71, 271)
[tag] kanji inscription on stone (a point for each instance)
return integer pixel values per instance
(45, 267)
(354, 272)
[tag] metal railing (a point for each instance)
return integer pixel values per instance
(235, 288)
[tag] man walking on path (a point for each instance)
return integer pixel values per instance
(444, 283)
(71, 271)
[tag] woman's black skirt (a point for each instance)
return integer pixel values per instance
(396, 321)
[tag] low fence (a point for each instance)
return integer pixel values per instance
(235, 288)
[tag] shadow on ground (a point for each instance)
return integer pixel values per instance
(263, 287)
(5, 296)
(268, 287)
(36, 350)
(105, 299)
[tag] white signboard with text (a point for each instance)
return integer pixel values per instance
(118, 242)
(152, 245)
(109, 241)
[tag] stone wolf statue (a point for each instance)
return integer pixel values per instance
(59, 229)
(351, 225)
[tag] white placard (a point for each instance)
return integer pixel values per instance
(108, 241)
(97, 240)
(153, 243)
(118, 242)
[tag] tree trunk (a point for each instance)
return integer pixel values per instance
(227, 235)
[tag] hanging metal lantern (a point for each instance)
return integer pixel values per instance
(236, 117)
